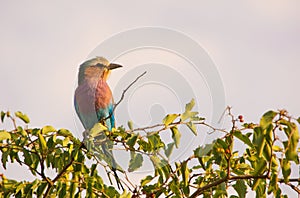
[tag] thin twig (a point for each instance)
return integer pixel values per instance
(225, 179)
(123, 95)
(174, 124)
(13, 120)
(62, 172)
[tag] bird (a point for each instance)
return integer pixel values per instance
(94, 103)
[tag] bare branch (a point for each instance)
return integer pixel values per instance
(123, 95)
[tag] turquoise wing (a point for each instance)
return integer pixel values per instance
(106, 116)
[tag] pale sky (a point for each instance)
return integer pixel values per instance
(254, 45)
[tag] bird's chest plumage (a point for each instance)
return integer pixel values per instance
(91, 96)
(103, 95)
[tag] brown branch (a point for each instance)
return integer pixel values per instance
(174, 124)
(40, 157)
(208, 186)
(123, 95)
(290, 180)
(12, 119)
(295, 188)
(233, 178)
(51, 183)
(225, 179)
(62, 172)
(125, 90)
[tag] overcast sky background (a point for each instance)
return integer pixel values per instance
(254, 44)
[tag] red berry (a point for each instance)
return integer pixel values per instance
(240, 117)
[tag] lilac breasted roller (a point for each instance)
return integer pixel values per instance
(94, 102)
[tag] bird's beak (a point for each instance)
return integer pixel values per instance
(113, 66)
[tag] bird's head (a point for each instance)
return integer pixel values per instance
(96, 68)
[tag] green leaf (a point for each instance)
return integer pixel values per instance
(135, 162)
(267, 119)
(192, 127)
(42, 143)
(243, 166)
(165, 168)
(20, 188)
(277, 148)
(41, 189)
(185, 173)
(132, 140)
(97, 129)
(274, 165)
(259, 140)
(65, 141)
(175, 188)
(169, 149)
(267, 153)
(47, 129)
(273, 184)
(155, 142)
(22, 116)
(155, 160)
(298, 120)
(62, 192)
(125, 194)
(291, 145)
(4, 158)
(27, 157)
(130, 124)
(189, 106)
(169, 119)
(145, 146)
(220, 192)
(260, 167)
(72, 188)
(4, 135)
(187, 113)
(261, 188)
(241, 188)
(2, 116)
(51, 142)
(203, 151)
(222, 143)
(111, 192)
(286, 170)
(243, 138)
(64, 132)
(186, 190)
(176, 135)
(146, 180)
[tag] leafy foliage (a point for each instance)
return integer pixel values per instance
(270, 151)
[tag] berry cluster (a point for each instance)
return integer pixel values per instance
(241, 118)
